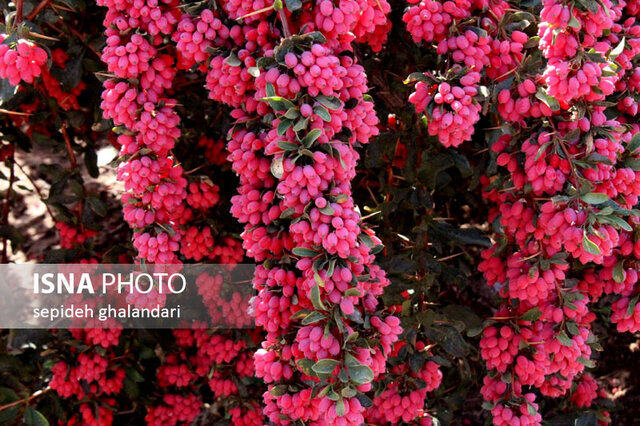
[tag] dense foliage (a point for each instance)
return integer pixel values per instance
(439, 197)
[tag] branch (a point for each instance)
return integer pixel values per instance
(67, 142)
(19, 7)
(38, 9)
(37, 189)
(26, 400)
(6, 209)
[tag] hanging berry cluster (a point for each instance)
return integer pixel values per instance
(336, 282)
(137, 100)
(300, 106)
(568, 177)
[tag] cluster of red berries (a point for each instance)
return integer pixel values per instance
(21, 60)
(451, 108)
(543, 335)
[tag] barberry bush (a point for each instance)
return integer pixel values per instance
(440, 198)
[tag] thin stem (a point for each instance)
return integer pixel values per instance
(285, 23)
(67, 142)
(26, 400)
(36, 188)
(6, 209)
(6, 111)
(256, 12)
(19, 8)
(442, 259)
(37, 9)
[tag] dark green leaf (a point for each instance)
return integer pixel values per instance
(293, 5)
(632, 305)
(589, 246)
(618, 272)
(564, 339)
(330, 102)
(531, 315)
(548, 100)
(33, 417)
(233, 61)
(313, 318)
(322, 112)
(315, 298)
(325, 366)
(361, 374)
(311, 137)
(72, 73)
(304, 252)
(594, 198)
(287, 146)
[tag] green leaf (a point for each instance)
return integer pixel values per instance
(33, 417)
(325, 366)
(7, 91)
(548, 100)
(634, 143)
(594, 198)
(618, 49)
(254, 72)
(313, 318)
(615, 221)
(315, 298)
(304, 252)
(463, 314)
(531, 315)
(330, 269)
(131, 388)
(318, 279)
(590, 5)
(573, 22)
(564, 339)
(414, 77)
(322, 112)
(305, 366)
(98, 206)
(72, 73)
(340, 408)
(488, 406)
(531, 409)
(287, 146)
(134, 375)
(283, 126)
(270, 90)
(572, 328)
(633, 163)
(449, 338)
(311, 137)
(352, 292)
(12, 234)
(589, 246)
(301, 124)
(596, 57)
(292, 113)
(91, 161)
(471, 236)
(279, 390)
(632, 305)
(330, 102)
(618, 272)
(293, 5)
(586, 362)
(277, 168)
(233, 61)
(328, 210)
(361, 374)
